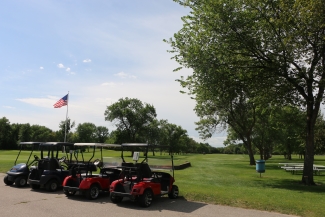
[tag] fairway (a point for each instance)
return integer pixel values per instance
(230, 180)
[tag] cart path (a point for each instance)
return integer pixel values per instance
(26, 202)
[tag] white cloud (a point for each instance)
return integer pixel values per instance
(61, 66)
(41, 102)
(71, 73)
(108, 84)
(87, 61)
(124, 75)
(8, 107)
(41, 68)
(68, 69)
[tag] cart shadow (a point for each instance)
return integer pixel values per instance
(159, 203)
(164, 203)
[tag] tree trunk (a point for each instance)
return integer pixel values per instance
(248, 146)
(308, 173)
(251, 156)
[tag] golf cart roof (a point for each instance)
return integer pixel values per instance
(97, 145)
(56, 144)
(135, 145)
(30, 143)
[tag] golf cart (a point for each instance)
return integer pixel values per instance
(140, 182)
(82, 179)
(51, 170)
(18, 174)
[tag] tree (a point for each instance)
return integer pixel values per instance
(101, 134)
(289, 124)
(86, 132)
(153, 134)
(320, 135)
(64, 130)
(41, 134)
(280, 43)
(25, 132)
(171, 135)
(5, 133)
(132, 118)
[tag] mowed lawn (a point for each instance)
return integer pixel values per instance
(230, 180)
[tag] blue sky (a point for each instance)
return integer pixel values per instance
(98, 51)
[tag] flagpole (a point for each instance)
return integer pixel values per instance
(66, 119)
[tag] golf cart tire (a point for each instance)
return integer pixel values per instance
(173, 194)
(115, 199)
(146, 198)
(34, 186)
(20, 181)
(52, 185)
(93, 192)
(69, 193)
(6, 180)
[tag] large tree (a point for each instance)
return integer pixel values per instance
(132, 118)
(274, 40)
(5, 134)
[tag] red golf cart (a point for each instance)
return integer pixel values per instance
(141, 182)
(82, 176)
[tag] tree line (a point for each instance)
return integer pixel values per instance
(134, 121)
(278, 130)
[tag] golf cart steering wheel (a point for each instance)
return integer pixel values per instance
(96, 162)
(36, 157)
(62, 159)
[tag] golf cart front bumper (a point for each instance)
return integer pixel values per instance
(13, 175)
(121, 194)
(74, 189)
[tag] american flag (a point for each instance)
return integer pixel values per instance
(61, 102)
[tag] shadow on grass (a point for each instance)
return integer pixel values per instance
(294, 185)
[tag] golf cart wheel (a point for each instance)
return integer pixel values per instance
(115, 199)
(93, 192)
(20, 181)
(33, 186)
(52, 185)
(173, 194)
(69, 193)
(145, 199)
(6, 180)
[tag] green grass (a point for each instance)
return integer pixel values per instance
(230, 180)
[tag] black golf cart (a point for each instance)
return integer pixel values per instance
(140, 182)
(51, 169)
(18, 174)
(84, 180)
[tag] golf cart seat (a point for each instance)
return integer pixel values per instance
(127, 164)
(143, 171)
(91, 167)
(49, 164)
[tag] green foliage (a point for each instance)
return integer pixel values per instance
(131, 118)
(258, 51)
(6, 141)
(86, 132)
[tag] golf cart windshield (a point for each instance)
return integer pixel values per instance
(134, 152)
(27, 146)
(53, 149)
(80, 149)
